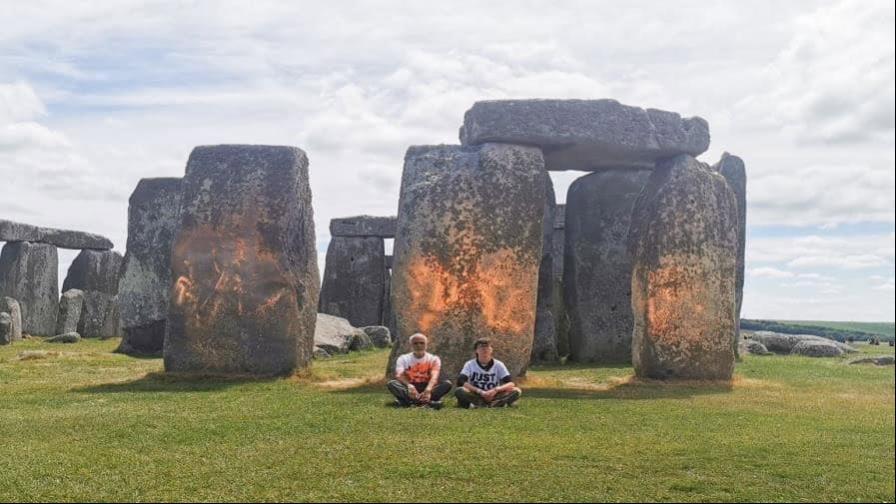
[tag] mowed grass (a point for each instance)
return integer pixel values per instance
(89, 425)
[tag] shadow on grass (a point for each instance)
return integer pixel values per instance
(629, 390)
(174, 382)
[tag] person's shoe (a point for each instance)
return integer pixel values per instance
(436, 405)
(399, 404)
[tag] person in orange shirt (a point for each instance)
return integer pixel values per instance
(417, 377)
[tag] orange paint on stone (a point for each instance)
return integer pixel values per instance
(491, 288)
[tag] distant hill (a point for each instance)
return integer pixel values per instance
(839, 331)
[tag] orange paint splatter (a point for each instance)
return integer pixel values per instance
(495, 289)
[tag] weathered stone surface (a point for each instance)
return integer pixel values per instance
(12, 307)
(5, 328)
(814, 348)
(29, 274)
(732, 168)
(360, 341)
(781, 343)
(99, 316)
(320, 353)
(244, 265)
(683, 245)
(15, 231)
(597, 277)
(753, 347)
(560, 216)
(467, 251)
(96, 273)
(71, 337)
(363, 225)
(145, 284)
(380, 336)
(354, 280)
(586, 134)
(877, 360)
(94, 270)
(561, 317)
(334, 334)
(70, 306)
(544, 346)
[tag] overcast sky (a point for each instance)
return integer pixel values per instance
(95, 97)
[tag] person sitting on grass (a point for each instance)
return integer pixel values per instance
(485, 381)
(417, 377)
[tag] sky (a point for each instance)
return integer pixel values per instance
(96, 96)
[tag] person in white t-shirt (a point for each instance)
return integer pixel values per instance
(416, 380)
(485, 381)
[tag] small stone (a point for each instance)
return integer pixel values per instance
(380, 336)
(71, 337)
(70, 306)
(11, 306)
(878, 360)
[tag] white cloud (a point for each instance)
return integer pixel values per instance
(863, 251)
(102, 94)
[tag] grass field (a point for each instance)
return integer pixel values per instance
(89, 425)
(880, 328)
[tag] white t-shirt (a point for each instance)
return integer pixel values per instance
(485, 379)
(417, 370)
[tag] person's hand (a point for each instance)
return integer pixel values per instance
(412, 391)
(488, 395)
(426, 396)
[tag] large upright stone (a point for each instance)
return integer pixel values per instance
(145, 284)
(246, 284)
(96, 273)
(29, 273)
(544, 346)
(354, 280)
(732, 168)
(683, 244)
(467, 251)
(597, 268)
(15, 231)
(586, 134)
(12, 307)
(94, 270)
(561, 318)
(363, 225)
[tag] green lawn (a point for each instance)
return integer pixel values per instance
(89, 425)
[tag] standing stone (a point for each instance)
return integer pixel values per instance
(244, 265)
(561, 317)
(388, 319)
(598, 270)
(732, 168)
(11, 306)
(683, 244)
(70, 305)
(586, 134)
(5, 328)
(145, 284)
(467, 251)
(354, 280)
(96, 273)
(544, 347)
(29, 273)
